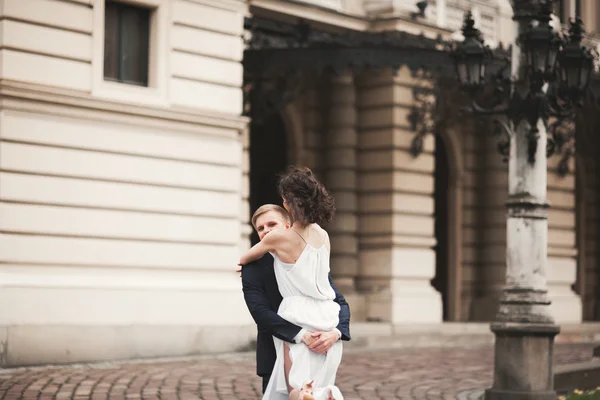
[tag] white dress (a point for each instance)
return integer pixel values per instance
(307, 302)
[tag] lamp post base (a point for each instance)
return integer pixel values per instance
(523, 361)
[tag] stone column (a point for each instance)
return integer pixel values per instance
(395, 205)
(525, 329)
(339, 159)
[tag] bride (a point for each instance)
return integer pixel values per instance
(301, 266)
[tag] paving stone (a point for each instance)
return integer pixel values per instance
(420, 374)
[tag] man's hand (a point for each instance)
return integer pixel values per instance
(323, 341)
(308, 339)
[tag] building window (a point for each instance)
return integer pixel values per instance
(126, 43)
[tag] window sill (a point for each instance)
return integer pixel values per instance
(127, 93)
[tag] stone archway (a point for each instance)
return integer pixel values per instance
(449, 253)
(587, 222)
(267, 159)
(580, 236)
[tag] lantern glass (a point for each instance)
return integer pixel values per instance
(572, 72)
(470, 59)
(475, 72)
(576, 62)
(586, 70)
(552, 57)
(542, 46)
(470, 56)
(461, 70)
(539, 57)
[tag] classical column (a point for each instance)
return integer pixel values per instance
(339, 159)
(395, 205)
(525, 328)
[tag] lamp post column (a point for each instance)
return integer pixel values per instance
(524, 326)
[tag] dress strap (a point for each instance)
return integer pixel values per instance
(302, 237)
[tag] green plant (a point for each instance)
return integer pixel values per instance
(582, 395)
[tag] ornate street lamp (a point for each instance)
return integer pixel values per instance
(471, 56)
(546, 57)
(576, 63)
(536, 103)
(542, 45)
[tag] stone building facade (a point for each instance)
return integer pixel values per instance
(128, 174)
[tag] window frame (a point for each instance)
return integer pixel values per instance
(158, 58)
(143, 36)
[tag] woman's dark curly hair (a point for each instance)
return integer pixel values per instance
(308, 199)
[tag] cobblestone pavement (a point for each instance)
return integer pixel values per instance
(427, 374)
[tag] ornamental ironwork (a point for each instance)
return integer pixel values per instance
(284, 60)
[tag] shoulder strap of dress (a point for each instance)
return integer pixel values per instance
(302, 237)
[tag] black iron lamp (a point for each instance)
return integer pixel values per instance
(576, 63)
(470, 56)
(542, 46)
(548, 57)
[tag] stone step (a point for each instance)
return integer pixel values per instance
(450, 334)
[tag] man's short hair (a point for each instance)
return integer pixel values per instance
(265, 208)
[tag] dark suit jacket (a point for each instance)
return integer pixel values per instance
(263, 298)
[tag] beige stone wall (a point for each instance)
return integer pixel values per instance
(47, 43)
(206, 50)
(121, 208)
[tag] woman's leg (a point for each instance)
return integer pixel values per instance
(305, 393)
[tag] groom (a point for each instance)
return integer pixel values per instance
(263, 298)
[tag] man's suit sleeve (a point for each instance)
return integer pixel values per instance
(344, 317)
(259, 306)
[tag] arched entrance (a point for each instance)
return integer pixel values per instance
(440, 281)
(268, 158)
(448, 223)
(587, 234)
(587, 222)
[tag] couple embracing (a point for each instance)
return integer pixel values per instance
(301, 317)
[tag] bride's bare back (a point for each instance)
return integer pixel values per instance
(295, 240)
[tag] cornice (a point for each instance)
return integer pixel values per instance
(49, 100)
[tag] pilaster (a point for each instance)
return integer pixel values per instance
(489, 222)
(340, 140)
(562, 252)
(330, 138)
(395, 205)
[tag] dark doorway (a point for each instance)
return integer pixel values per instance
(441, 175)
(268, 158)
